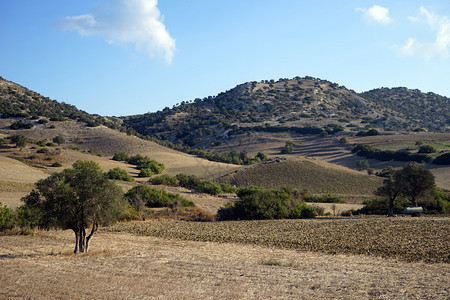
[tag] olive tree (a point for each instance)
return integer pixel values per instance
(414, 180)
(77, 199)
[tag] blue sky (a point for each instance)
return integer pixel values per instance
(123, 57)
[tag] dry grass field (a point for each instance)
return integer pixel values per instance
(126, 266)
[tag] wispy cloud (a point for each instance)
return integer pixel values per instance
(376, 14)
(440, 26)
(138, 22)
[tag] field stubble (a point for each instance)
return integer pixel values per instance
(409, 239)
(122, 265)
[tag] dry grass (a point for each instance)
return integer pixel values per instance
(108, 141)
(317, 176)
(123, 266)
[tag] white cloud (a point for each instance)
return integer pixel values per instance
(127, 21)
(440, 26)
(377, 14)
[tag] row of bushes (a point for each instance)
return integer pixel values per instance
(193, 182)
(257, 203)
(232, 157)
(144, 195)
(147, 166)
(387, 155)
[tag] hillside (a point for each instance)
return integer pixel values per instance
(306, 105)
(20, 102)
(317, 176)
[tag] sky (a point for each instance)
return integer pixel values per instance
(126, 57)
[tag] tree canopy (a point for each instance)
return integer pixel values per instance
(76, 199)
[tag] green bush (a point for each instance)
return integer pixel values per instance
(56, 165)
(21, 125)
(146, 173)
(257, 203)
(288, 148)
(443, 159)
(7, 218)
(144, 162)
(164, 179)
(121, 156)
(302, 211)
(119, 174)
(43, 150)
(152, 197)
(426, 149)
(28, 217)
(438, 204)
(380, 206)
(41, 143)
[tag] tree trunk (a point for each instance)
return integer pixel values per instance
(76, 241)
(82, 239)
(94, 229)
(391, 207)
(414, 201)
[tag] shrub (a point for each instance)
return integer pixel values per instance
(257, 203)
(439, 203)
(165, 179)
(443, 159)
(41, 143)
(209, 187)
(7, 218)
(56, 165)
(146, 173)
(343, 140)
(28, 217)
(302, 211)
(59, 140)
(119, 174)
(43, 150)
(21, 125)
(121, 156)
(380, 206)
(144, 162)
(152, 197)
(426, 149)
(288, 148)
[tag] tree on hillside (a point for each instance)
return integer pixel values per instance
(20, 140)
(59, 140)
(288, 148)
(76, 199)
(414, 180)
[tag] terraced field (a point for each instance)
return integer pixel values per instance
(408, 239)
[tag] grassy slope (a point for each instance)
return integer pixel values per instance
(317, 176)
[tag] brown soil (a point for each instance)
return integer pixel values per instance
(124, 266)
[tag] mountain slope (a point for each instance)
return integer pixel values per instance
(292, 103)
(20, 102)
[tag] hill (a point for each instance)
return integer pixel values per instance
(299, 173)
(305, 105)
(20, 102)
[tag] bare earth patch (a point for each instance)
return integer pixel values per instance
(124, 266)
